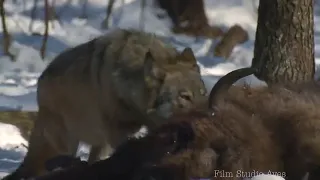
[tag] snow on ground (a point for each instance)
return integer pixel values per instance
(18, 80)
(11, 152)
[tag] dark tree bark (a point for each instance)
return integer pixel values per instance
(52, 12)
(105, 22)
(284, 45)
(142, 19)
(6, 35)
(46, 30)
(84, 14)
(33, 14)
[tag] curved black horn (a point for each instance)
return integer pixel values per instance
(224, 83)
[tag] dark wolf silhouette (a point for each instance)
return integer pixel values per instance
(129, 158)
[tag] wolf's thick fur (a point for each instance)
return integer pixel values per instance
(102, 91)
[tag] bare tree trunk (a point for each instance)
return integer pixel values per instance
(46, 30)
(84, 10)
(142, 19)
(33, 14)
(284, 45)
(53, 13)
(105, 22)
(6, 35)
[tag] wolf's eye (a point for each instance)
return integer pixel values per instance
(186, 95)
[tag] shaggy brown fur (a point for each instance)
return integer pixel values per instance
(264, 129)
(232, 140)
(291, 113)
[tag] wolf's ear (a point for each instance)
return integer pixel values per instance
(187, 56)
(151, 70)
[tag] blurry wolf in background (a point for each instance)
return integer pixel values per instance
(102, 91)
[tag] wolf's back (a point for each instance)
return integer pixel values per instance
(125, 48)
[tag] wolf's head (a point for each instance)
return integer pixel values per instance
(173, 86)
